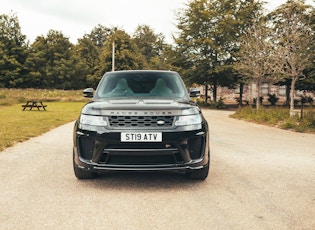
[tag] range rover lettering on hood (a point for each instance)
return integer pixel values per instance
(141, 113)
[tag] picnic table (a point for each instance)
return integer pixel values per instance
(34, 104)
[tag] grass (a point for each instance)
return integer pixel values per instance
(279, 117)
(14, 96)
(17, 125)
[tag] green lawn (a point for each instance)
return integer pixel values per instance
(17, 125)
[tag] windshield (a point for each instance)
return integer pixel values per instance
(144, 84)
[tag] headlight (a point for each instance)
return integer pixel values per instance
(188, 120)
(93, 120)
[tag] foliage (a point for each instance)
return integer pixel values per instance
(127, 54)
(278, 117)
(294, 35)
(212, 104)
(13, 52)
(53, 63)
(151, 46)
(310, 100)
(273, 99)
(261, 99)
(208, 35)
(304, 100)
(309, 82)
(99, 35)
(257, 57)
(88, 53)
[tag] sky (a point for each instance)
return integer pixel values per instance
(74, 18)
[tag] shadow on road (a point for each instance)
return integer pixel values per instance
(141, 181)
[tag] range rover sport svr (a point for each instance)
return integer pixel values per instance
(141, 121)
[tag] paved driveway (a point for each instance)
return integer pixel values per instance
(260, 178)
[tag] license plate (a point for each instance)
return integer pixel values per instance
(141, 137)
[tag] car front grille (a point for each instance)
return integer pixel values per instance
(141, 121)
(141, 160)
(141, 154)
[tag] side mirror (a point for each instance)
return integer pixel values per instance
(88, 92)
(193, 92)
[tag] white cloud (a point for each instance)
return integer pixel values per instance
(78, 17)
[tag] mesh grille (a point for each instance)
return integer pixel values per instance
(141, 160)
(195, 146)
(140, 121)
(86, 147)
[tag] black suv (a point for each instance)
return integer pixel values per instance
(141, 120)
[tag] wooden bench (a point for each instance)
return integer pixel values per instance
(34, 104)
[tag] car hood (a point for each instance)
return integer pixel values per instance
(141, 107)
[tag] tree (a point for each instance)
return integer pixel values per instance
(36, 64)
(89, 55)
(257, 57)
(309, 82)
(52, 63)
(208, 37)
(13, 52)
(127, 53)
(151, 46)
(295, 36)
(89, 49)
(99, 35)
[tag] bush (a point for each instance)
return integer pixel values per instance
(278, 117)
(273, 99)
(214, 105)
(307, 99)
(309, 118)
(303, 100)
(288, 125)
(219, 104)
(310, 100)
(260, 100)
(270, 116)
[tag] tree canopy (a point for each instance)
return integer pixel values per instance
(13, 52)
(257, 58)
(209, 35)
(294, 35)
(207, 50)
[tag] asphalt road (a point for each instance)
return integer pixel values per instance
(260, 178)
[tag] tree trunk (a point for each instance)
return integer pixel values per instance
(206, 93)
(292, 97)
(240, 103)
(258, 96)
(287, 94)
(215, 87)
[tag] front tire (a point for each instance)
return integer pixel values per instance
(83, 174)
(198, 174)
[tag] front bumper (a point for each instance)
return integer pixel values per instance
(96, 151)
